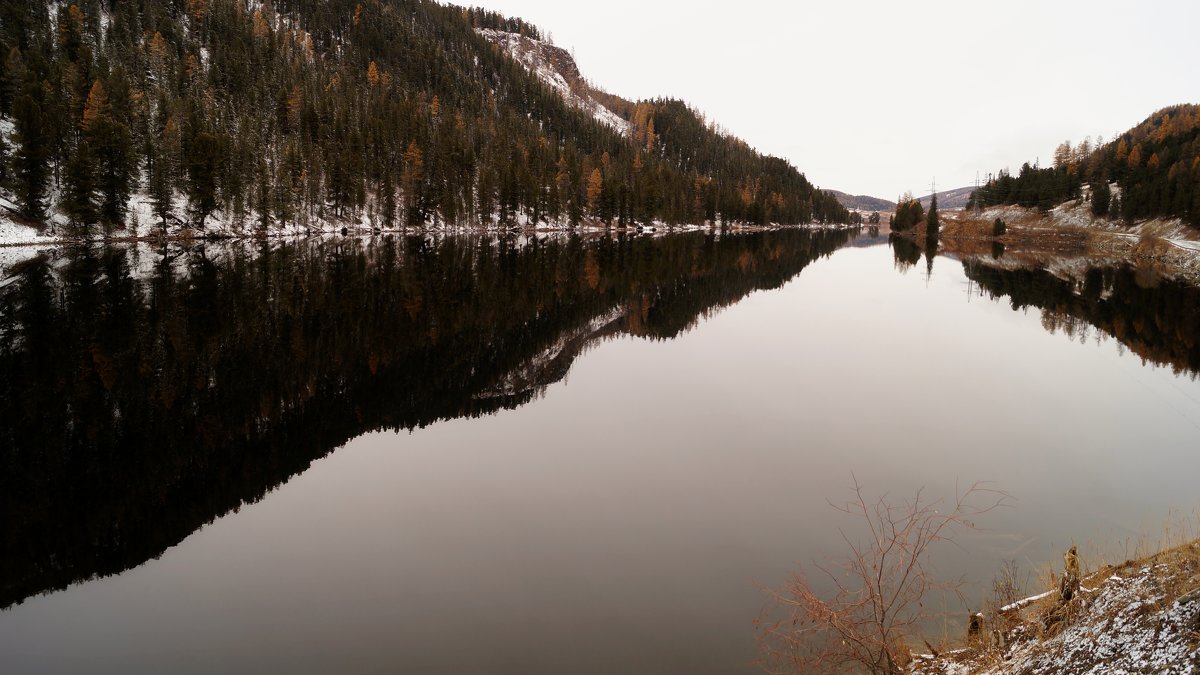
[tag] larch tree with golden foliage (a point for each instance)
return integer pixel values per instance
(595, 187)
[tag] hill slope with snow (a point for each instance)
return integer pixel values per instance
(1141, 616)
(557, 68)
(240, 117)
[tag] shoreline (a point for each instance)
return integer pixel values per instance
(1068, 232)
(50, 241)
(1141, 615)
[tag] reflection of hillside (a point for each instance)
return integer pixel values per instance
(138, 405)
(1157, 319)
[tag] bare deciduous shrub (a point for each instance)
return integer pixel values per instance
(1007, 585)
(879, 586)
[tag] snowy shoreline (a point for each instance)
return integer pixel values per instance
(1139, 616)
(20, 242)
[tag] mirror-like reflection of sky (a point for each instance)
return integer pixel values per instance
(624, 522)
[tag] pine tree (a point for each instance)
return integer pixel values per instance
(1101, 198)
(203, 164)
(110, 154)
(11, 79)
(80, 195)
(161, 186)
(412, 180)
(31, 159)
(388, 199)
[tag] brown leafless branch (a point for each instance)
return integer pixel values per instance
(878, 588)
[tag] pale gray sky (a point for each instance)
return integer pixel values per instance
(882, 97)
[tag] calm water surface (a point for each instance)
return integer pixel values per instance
(573, 455)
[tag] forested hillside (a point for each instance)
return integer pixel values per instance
(1155, 165)
(254, 115)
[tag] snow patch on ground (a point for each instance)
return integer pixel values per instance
(1078, 213)
(1146, 620)
(1128, 642)
(17, 234)
(1168, 243)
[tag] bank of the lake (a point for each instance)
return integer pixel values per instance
(1070, 231)
(1141, 615)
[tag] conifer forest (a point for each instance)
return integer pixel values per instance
(244, 115)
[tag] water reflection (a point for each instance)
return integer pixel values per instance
(905, 251)
(619, 525)
(1156, 318)
(142, 397)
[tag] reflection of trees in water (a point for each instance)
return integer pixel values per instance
(134, 408)
(1157, 319)
(905, 251)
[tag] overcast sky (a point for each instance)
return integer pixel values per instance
(882, 97)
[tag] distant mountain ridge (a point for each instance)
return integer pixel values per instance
(863, 202)
(947, 199)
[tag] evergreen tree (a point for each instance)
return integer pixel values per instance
(1101, 197)
(413, 181)
(111, 150)
(388, 200)
(31, 160)
(203, 164)
(909, 212)
(80, 185)
(160, 186)
(3, 160)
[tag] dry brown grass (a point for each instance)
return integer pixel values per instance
(1032, 236)
(1171, 575)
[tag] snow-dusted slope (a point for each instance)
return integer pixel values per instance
(1141, 617)
(555, 66)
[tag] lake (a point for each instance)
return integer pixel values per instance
(546, 454)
